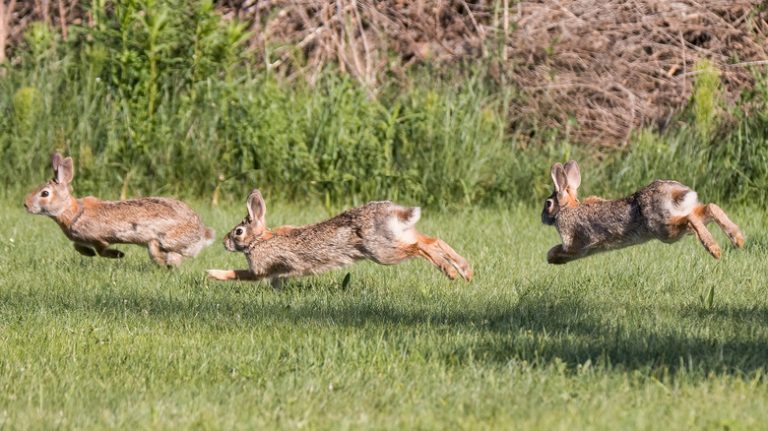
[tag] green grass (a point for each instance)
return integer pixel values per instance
(626, 340)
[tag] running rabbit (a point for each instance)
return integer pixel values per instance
(664, 210)
(379, 231)
(169, 228)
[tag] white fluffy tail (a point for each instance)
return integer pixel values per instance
(683, 206)
(412, 215)
(401, 223)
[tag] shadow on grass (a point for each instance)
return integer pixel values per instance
(538, 329)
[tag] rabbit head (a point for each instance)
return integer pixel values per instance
(252, 228)
(567, 180)
(53, 197)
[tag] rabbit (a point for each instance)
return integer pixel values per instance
(170, 229)
(664, 210)
(379, 231)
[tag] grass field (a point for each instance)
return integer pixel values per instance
(653, 337)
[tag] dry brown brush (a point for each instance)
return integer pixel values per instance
(594, 69)
(616, 65)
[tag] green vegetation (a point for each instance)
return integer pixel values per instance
(152, 101)
(623, 340)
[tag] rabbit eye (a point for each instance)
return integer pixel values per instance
(239, 231)
(548, 204)
(44, 193)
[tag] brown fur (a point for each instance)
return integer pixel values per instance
(592, 200)
(169, 228)
(379, 231)
(663, 210)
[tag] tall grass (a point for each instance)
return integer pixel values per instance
(152, 101)
(160, 98)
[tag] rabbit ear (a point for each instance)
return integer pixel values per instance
(64, 170)
(257, 209)
(558, 177)
(56, 161)
(573, 175)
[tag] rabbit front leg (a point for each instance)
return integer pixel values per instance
(233, 274)
(243, 275)
(570, 249)
(103, 250)
(276, 283)
(84, 250)
(558, 255)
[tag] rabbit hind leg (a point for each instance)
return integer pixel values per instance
(156, 253)
(704, 235)
(712, 212)
(173, 259)
(443, 256)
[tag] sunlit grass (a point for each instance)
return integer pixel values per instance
(615, 341)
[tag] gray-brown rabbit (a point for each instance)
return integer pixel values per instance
(664, 210)
(170, 229)
(379, 231)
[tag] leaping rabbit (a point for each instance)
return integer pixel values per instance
(170, 229)
(379, 231)
(664, 210)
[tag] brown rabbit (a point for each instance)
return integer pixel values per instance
(664, 210)
(169, 228)
(379, 231)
